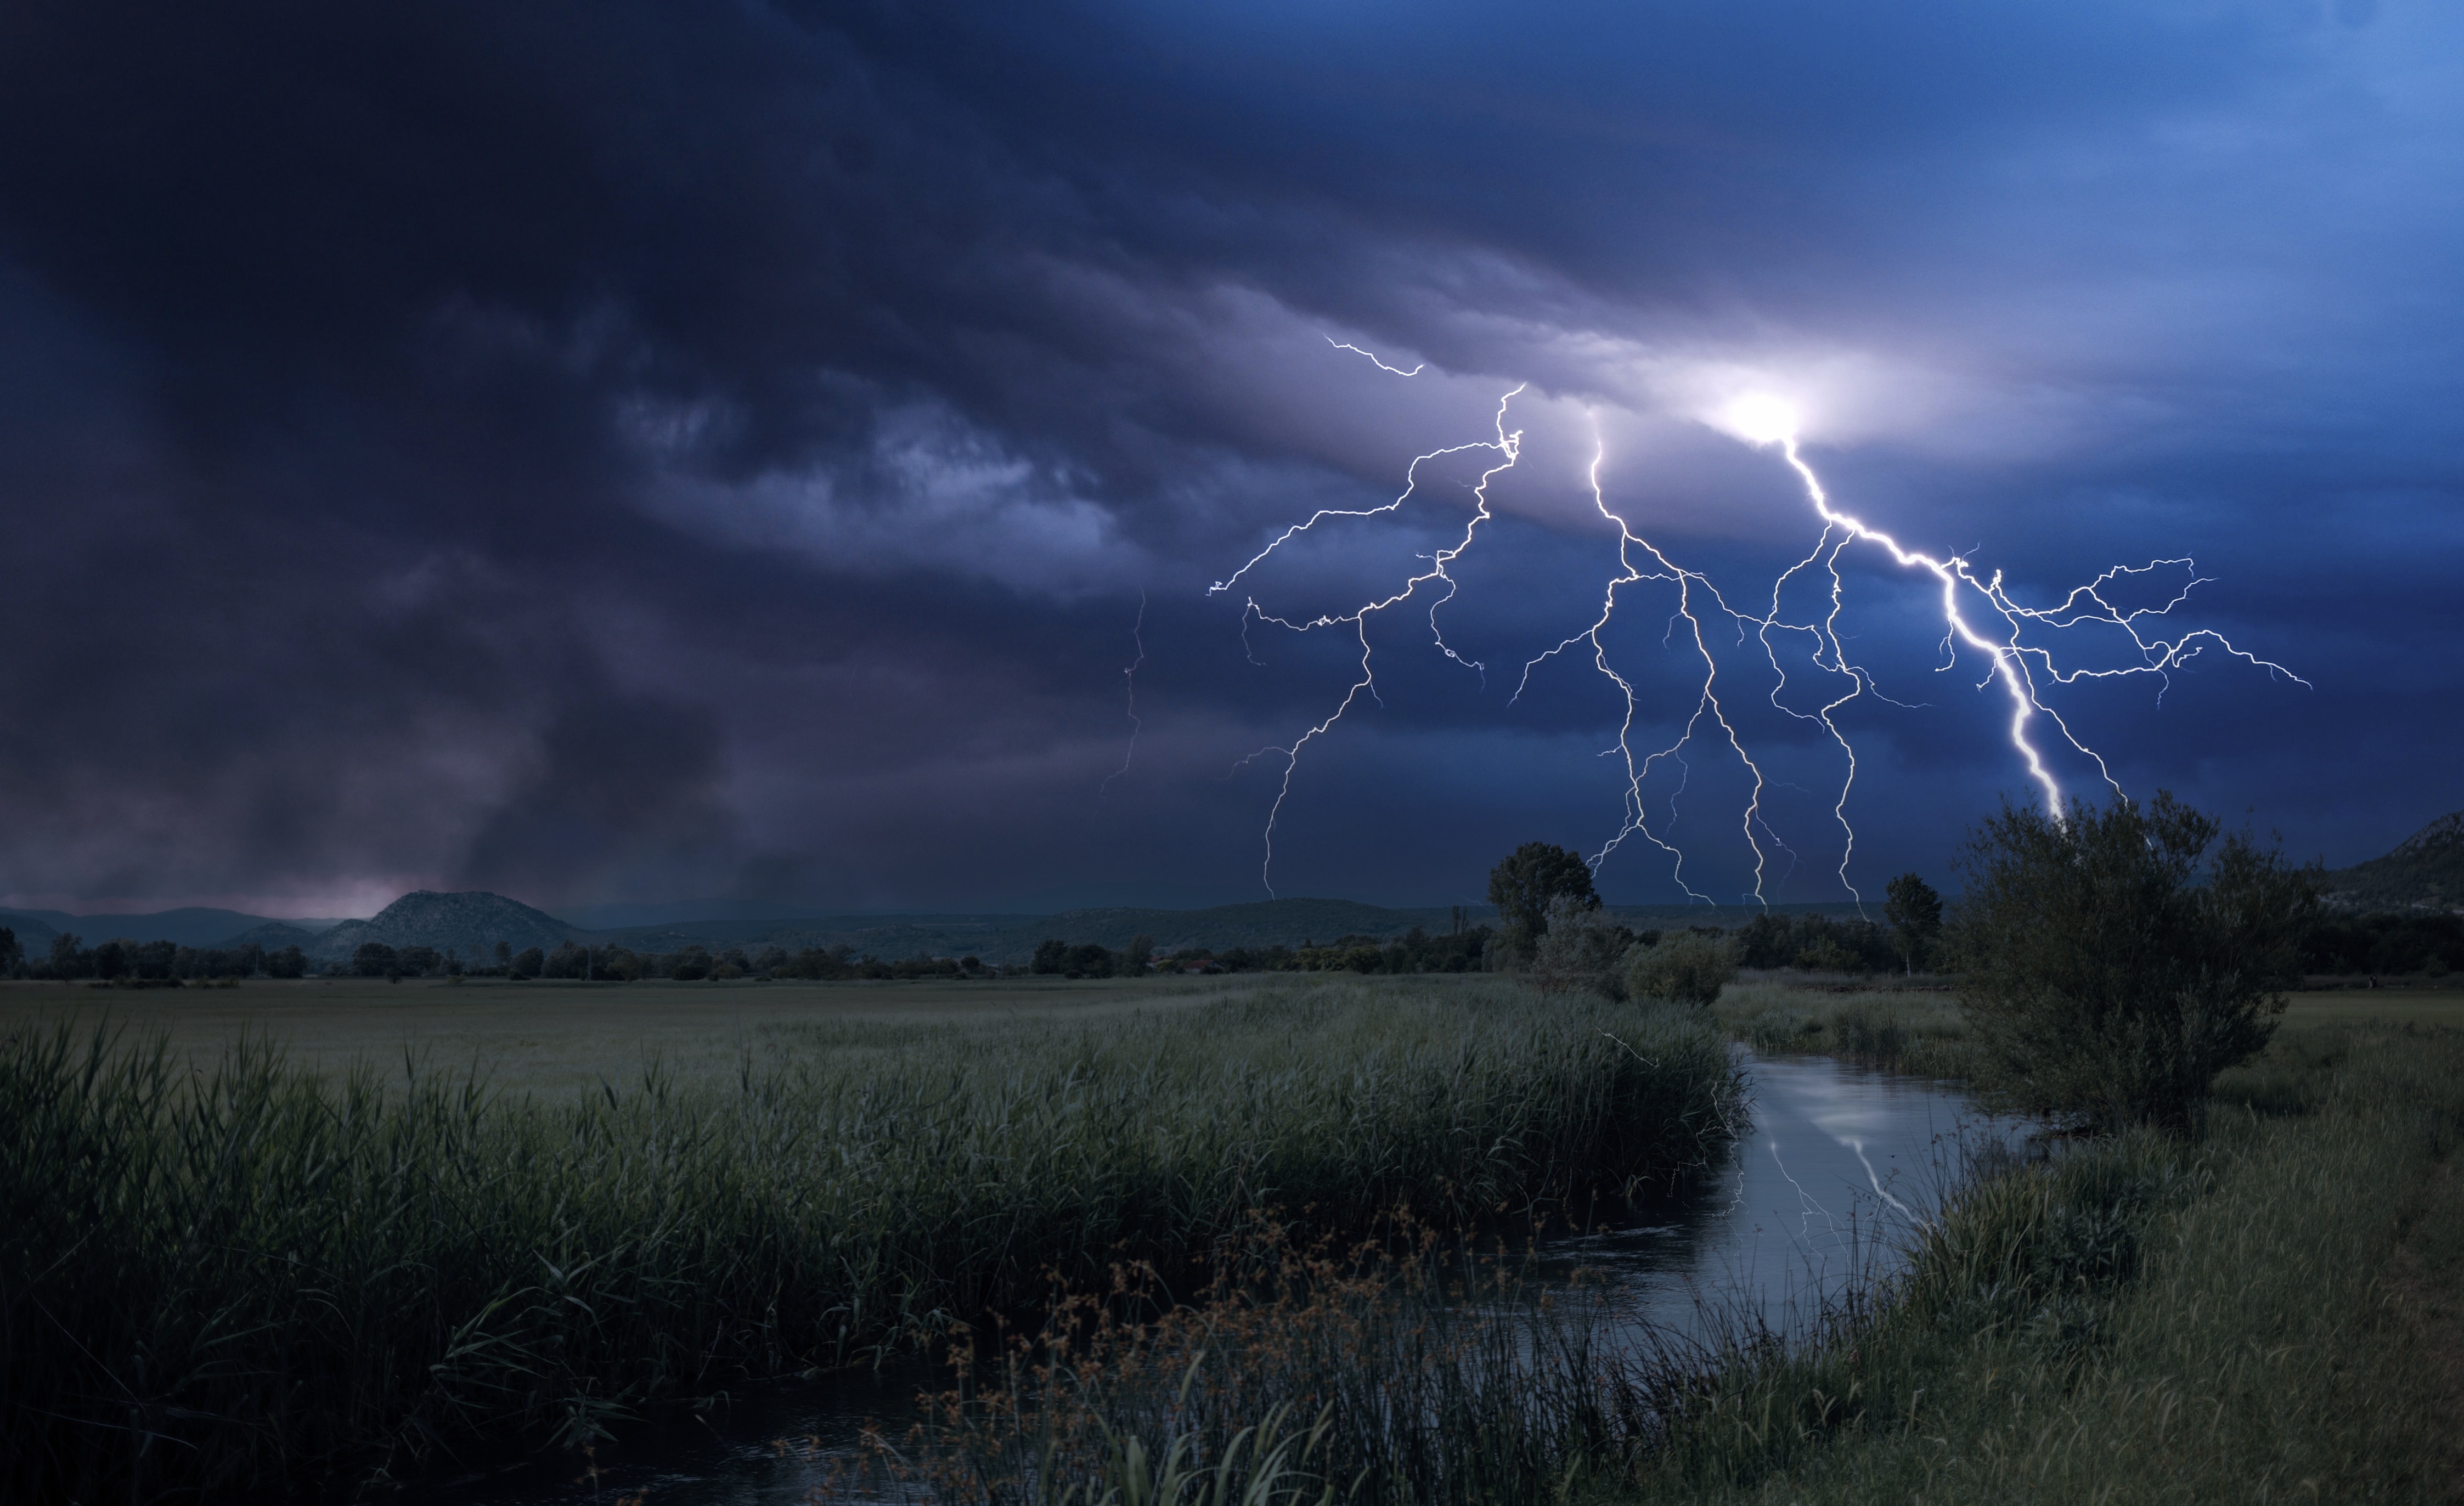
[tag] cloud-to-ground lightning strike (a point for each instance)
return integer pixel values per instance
(2017, 662)
(1130, 678)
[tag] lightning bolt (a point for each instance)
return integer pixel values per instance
(1416, 370)
(1129, 676)
(1507, 446)
(2017, 664)
(1978, 613)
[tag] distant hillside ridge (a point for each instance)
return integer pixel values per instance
(2425, 871)
(470, 923)
(273, 936)
(190, 927)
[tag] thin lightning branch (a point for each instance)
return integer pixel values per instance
(2017, 664)
(1129, 676)
(1690, 584)
(1978, 612)
(1508, 445)
(1379, 364)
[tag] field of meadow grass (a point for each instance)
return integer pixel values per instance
(226, 1272)
(558, 1036)
(2270, 1309)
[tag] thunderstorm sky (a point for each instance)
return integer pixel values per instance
(630, 451)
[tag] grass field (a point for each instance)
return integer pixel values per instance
(555, 1037)
(230, 1271)
(224, 1273)
(2404, 1006)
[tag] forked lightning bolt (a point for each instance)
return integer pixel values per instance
(2019, 663)
(1507, 446)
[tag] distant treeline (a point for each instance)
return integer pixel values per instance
(689, 965)
(130, 961)
(2347, 945)
(2388, 943)
(1819, 943)
(1458, 950)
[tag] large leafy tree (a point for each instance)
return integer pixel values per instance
(2118, 958)
(1538, 875)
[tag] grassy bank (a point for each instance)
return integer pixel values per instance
(2145, 1319)
(1918, 1032)
(247, 1276)
(2270, 1311)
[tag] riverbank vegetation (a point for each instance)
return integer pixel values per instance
(256, 1278)
(2241, 1277)
(2266, 1311)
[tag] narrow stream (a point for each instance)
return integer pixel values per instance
(1838, 1165)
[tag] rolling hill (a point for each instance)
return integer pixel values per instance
(471, 923)
(2425, 871)
(192, 927)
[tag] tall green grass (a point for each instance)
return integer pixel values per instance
(2150, 1318)
(259, 1277)
(1921, 1034)
(2145, 1319)
(1435, 1377)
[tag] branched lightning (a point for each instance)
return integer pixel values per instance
(1130, 678)
(2017, 664)
(1978, 613)
(1374, 361)
(1508, 445)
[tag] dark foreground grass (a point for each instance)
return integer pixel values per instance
(257, 1280)
(2269, 1311)
(2144, 1319)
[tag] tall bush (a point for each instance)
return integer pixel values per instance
(1687, 967)
(1579, 951)
(2117, 959)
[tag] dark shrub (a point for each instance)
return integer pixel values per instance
(2117, 959)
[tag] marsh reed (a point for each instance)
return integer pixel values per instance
(257, 1277)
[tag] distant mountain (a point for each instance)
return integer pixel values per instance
(193, 927)
(471, 923)
(273, 936)
(639, 916)
(32, 927)
(2426, 871)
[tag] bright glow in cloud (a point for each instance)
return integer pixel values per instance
(1758, 418)
(1979, 617)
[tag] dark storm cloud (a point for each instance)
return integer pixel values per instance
(598, 450)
